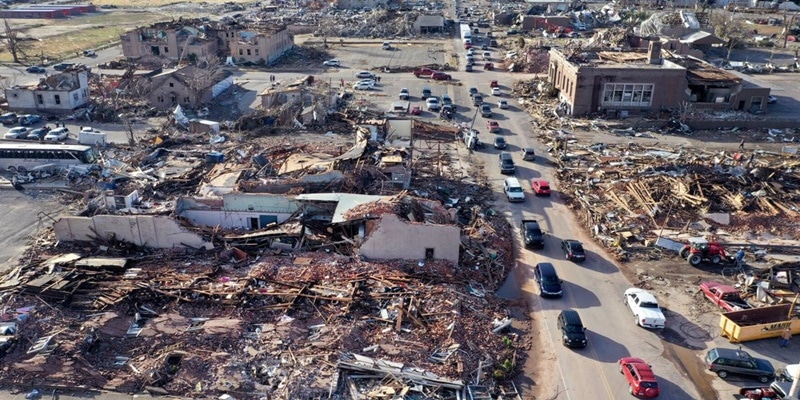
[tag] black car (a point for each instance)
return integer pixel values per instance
(573, 332)
(573, 250)
(9, 118)
(38, 134)
(36, 69)
(484, 47)
(506, 163)
(62, 66)
(548, 280)
(473, 91)
(499, 143)
(734, 361)
(532, 234)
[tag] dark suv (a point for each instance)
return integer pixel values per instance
(572, 330)
(548, 280)
(728, 361)
(506, 163)
(532, 234)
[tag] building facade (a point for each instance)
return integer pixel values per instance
(56, 94)
(188, 87)
(260, 47)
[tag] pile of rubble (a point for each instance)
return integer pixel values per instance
(374, 24)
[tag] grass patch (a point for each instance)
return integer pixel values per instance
(158, 3)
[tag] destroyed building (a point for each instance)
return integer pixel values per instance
(56, 94)
(621, 83)
(189, 86)
(196, 40)
(360, 4)
(426, 24)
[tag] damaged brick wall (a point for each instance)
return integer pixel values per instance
(395, 239)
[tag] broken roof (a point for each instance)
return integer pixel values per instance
(699, 71)
(345, 202)
(701, 37)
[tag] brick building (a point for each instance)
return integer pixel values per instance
(56, 94)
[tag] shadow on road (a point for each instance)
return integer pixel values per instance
(603, 348)
(582, 298)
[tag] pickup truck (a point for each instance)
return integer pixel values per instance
(724, 296)
(424, 72)
(645, 308)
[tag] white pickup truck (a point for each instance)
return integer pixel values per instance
(645, 308)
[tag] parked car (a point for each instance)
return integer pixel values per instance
(496, 91)
(477, 100)
(332, 63)
(468, 68)
(9, 118)
(38, 133)
(528, 154)
(19, 132)
(548, 280)
(493, 84)
(441, 76)
(502, 104)
(726, 297)
(573, 332)
(404, 94)
(29, 119)
(512, 32)
(488, 66)
(426, 92)
(487, 55)
(484, 47)
(362, 86)
(370, 82)
(493, 126)
(499, 143)
(416, 109)
(473, 91)
(62, 66)
(645, 309)
(432, 103)
(540, 187)
(365, 75)
(729, 361)
(446, 100)
(486, 111)
(36, 69)
(56, 135)
(89, 53)
(641, 379)
(573, 250)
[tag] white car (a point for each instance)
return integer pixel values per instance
(332, 63)
(495, 91)
(362, 86)
(502, 104)
(365, 75)
(487, 55)
(19, 132)
(57, 134)
(370, 82)
(432, 103)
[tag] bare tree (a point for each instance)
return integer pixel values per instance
(729, 28)
(202, 77)
(12, 41)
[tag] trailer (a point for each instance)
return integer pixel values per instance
(758, 323)
(466, 32)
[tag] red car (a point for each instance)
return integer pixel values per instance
(493, 126)
(416, 110)
(640, 377)
(440, 76)
(493, 84)
(467, 46)
(540, 187)
(423, 72)
(488, 66)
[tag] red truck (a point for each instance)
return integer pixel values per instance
(426, 72)
(724, 296)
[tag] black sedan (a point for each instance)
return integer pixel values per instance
(36, 69)
(573, 250)
(499, 143)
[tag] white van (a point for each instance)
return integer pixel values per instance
(513, 190)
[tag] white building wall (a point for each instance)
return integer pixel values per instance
(227, 219)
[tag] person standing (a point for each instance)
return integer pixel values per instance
(741, 145)
(785, 336)
(740, 258)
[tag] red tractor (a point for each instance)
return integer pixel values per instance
(699, 249)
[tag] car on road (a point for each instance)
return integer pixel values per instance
(63, 66)
(486, 111)
(499, 143)
(502, 104)
(496, 91)
(447, 100)
(29, 119)
(416, 109)
(488, 66)
(362, 86)
(426, 92)
(506, 163)
(432, 103)
(38, 133)
(36, 69)
(725, 362)
(370, 82)
(493, 126)
(513, 190)
(19, 132)
(365, 75)
(532, 234)
(645, 309)
(468, 68)
(473, 91)
(477, 100)
(9, 118)
(573, 333)
(441, 76)
(540, 187)
(528, 154)
(404, 94)
(484, 47)
(573, 250)
(57, 134)
(494, 84)
(641, 379)
(471, 51)
(424, 72)
(487, 55)
(332, 63)
(549, 283)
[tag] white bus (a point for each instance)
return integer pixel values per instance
(21, 157)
